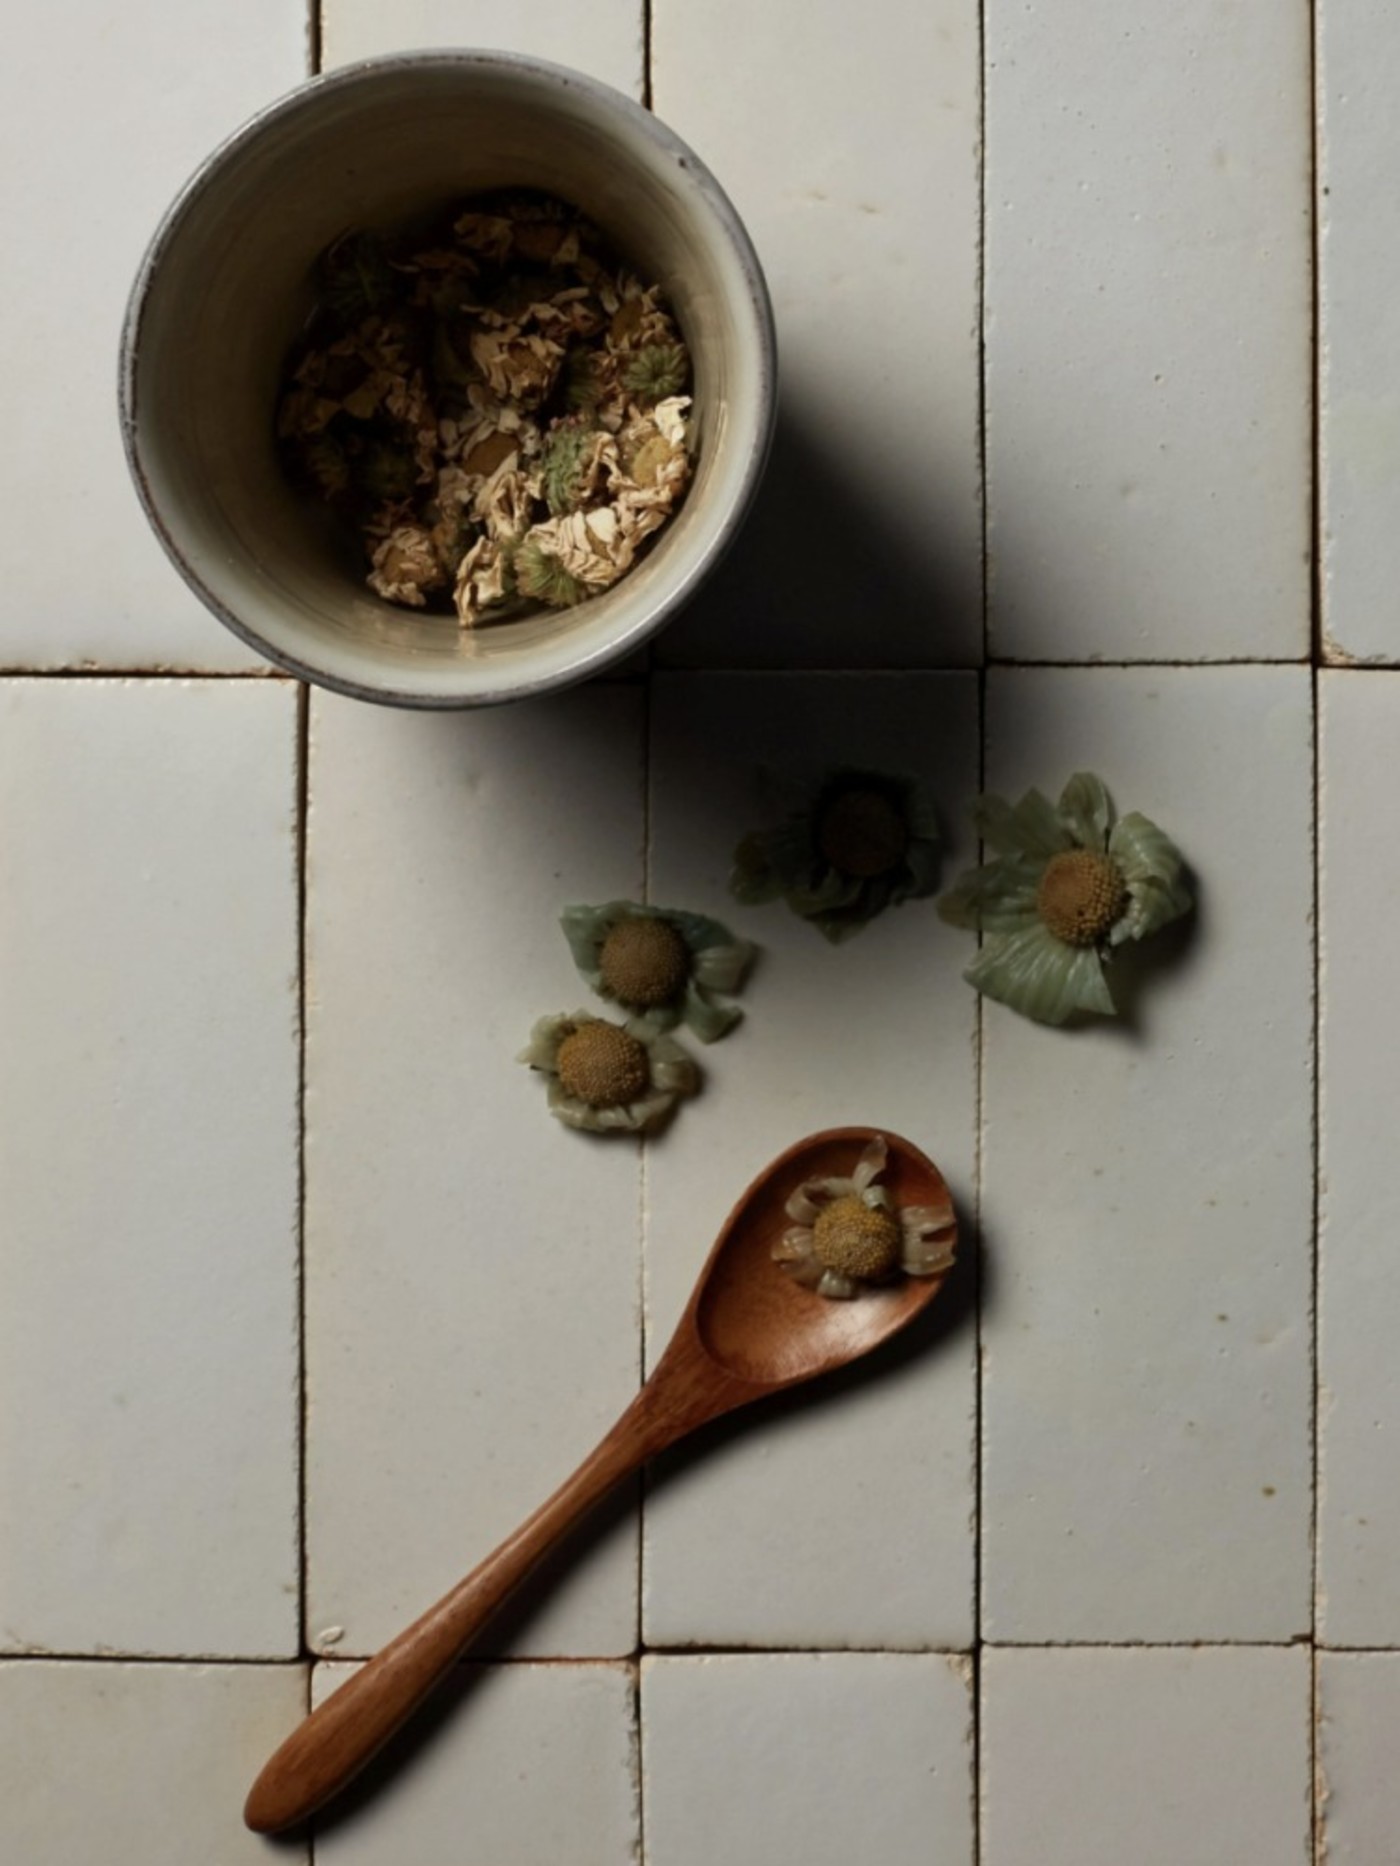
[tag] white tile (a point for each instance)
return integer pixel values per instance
(847, 138)
(602, 37)
(1359, 1517)
(522, 1765)
(844, 1519)
(104, 112)
(1359, 337)
(1147, 1192)
(1148, 319)
(138, 1763)
(820, 1757)
(1358, 1788)
(472, 1266)
(148, 1127)
(1166, 1758)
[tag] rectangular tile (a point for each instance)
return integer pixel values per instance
(148, 1133)
(472, 1266)
(602, 37)
(1147, 1192)
(1359, 1794)
(526, 1764)
(845, 1518)
(1359, 1515)
(849, 145)
(1197, 1758)
(818, 1757)
(1358, 53)
(101, 122)
(1148, 317)
(144, 1763)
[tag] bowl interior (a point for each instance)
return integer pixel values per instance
(227, 290)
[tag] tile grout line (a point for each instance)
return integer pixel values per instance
(303, 838)
(648, 693)
(1318, 646)
(611, 1661)
(314, 43)
(979, 1059)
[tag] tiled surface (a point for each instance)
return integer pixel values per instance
(1358, 148)
(104, 111)
(471, 1306)
(605, 38)
(146, 1764)
(1064, 1544)
(527, 1764)
(1359, 1510)
(1166, 1758)
(826, 1041)
(1147, 1386)
(148, 921)
(751, 1760)
(1148, 330)
(864, 546)
(1358, 1701)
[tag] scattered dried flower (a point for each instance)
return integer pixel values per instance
(1066, 884)
(609, 1078)
(864, 841)
(661, 964)
(849, 1234)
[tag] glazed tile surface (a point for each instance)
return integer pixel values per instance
(1086, 458)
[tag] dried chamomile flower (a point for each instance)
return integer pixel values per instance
(542, 574)
(355, 277)
(661, 964)
(849, 1233)
(571, 459)
(1066, 884)
(657, 371)
(864, 841)
(405, 567)
(609, 1078)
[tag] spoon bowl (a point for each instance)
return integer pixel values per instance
(748, 1330)
(764, 1328)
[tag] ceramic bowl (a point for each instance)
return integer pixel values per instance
(225, 288)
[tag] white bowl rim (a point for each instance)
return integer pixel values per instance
(548, 72)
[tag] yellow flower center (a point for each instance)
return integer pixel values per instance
(856, 1239)
(602, 1066)
(644, 962)
(1081, 895)
(862, 834)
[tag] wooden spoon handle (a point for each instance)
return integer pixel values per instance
(340, 1737)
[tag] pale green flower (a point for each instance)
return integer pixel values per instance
(659, 963)
(862, 842)
(1067, 883)
(609, 1078)
(850, 1234)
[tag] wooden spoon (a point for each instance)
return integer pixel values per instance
(748, 1330)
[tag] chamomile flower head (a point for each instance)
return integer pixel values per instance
(1066, 884)
(861, 842)
(609, 1078)
(663, 965)
(849, 1234)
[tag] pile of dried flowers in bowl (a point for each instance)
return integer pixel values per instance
(494, 406)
